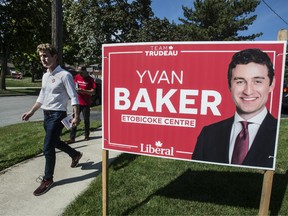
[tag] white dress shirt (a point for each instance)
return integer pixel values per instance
(57, 88)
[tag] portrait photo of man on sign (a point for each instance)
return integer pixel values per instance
(249, 137)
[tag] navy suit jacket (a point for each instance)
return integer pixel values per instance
(213, 143)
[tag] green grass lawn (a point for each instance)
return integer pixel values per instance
(25, 140)
(25, 82)
(142, 185)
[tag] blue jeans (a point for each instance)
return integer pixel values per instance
(53, 128)
(86, 116)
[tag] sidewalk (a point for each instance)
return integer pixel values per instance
(19, 182)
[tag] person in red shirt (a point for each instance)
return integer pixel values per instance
(85, 87)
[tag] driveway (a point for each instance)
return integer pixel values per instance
(12, 108)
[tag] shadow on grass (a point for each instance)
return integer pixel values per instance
(238, 189)
(123, 161)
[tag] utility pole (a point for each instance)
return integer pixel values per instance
(57, 28)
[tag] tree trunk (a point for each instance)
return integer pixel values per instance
(33, 78)
(4, 70)
(57, 28)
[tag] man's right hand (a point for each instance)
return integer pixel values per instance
(27, 115)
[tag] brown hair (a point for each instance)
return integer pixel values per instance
(251, 55)
(47, 47)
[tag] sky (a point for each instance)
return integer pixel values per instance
(267, 21)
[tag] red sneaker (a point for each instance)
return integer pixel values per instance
(75, 160)
(44, 187)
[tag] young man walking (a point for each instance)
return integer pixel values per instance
(57, 88)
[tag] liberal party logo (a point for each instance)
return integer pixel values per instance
(156, 149)
(161, 51)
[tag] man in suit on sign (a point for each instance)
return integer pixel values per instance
(248, 138)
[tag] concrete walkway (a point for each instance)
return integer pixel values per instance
(18, 182)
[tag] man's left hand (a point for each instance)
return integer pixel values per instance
(75, 122)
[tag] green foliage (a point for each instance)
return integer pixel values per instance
(23, 25)
(158, 30)
(91, 23)
(142, 185)
(217, 20)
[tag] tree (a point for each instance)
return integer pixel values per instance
(21, 30)
(84, 31)
(156, 29)
(217, 20)
(91, 23)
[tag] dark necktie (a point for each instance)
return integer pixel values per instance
(241, 144)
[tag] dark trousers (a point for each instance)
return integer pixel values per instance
(85, 110)
(53, 128)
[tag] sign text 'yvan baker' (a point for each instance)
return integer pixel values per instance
(188, 100)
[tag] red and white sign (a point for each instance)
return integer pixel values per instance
(158, 96)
